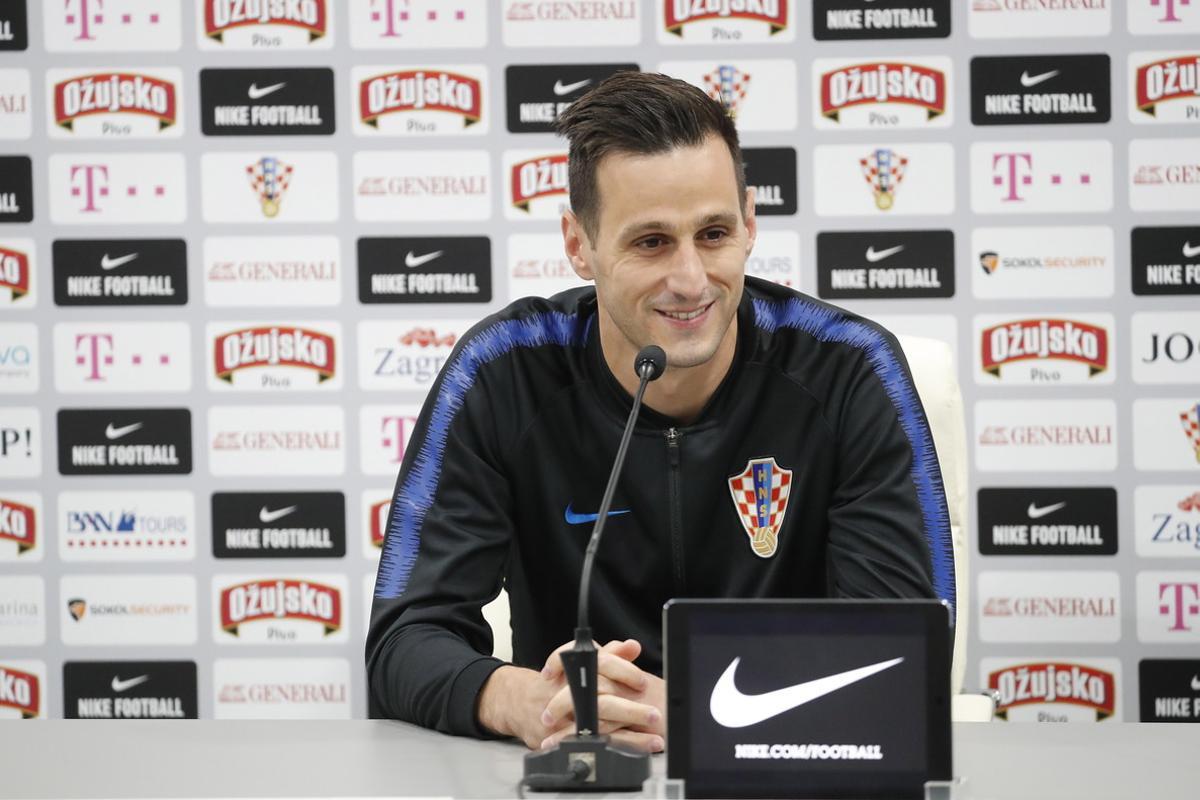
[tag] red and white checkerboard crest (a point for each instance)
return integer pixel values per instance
(728, 86)
(269, 178)
(760, 495)
(1190, 420)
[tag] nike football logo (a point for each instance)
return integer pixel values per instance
(411, 259)
(1196, 683)
(874, 255)
(1189, 251)
(1037, 513)
(560, 89)
(265, 516)
(116, 433)
(113, 263)
(119, 685)
(732, 709)
(579, 519)
(256, 93)
(1029, 82)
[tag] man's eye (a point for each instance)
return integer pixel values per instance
(651, 243)
(714, 234)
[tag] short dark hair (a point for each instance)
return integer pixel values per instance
(643, 113)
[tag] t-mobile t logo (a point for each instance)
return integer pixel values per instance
(1168, 8)
(1012, 171)
(95, 352)
(85, 16)
(103, 189)
(396, 433)
(1032, 177)
(90, 181)
(1179, 602)
(396, 15)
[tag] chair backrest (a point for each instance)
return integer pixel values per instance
(932, 365)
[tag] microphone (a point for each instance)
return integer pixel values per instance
(588, 761)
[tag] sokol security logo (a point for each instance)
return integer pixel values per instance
(1044, 350)
(420, 100)
(16, 189)
(82, 26)
(20, 520)
(125, 441)
(771, 171)
(129, 690)
(114, 102)
(1169, 689)
(536, 94)
(279, 524)
(1166, 260)
(1065, 521)
(274, 357)
(1040, 90)
(22, 689)
(417, 24)
(253, 609)
(263, 25)
(107, 188)
(898, 19)
(1041, 177)
(122, 357)
(1167, 521)
(423, 269)
(14, 26)
(725, 21)
(1043, 262)
(877, 264)
(266, 102)
(1164, 87)
(120, 272)
(851, 94)
(127, 609)
(1054, 689)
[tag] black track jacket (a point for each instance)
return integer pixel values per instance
(816, 429)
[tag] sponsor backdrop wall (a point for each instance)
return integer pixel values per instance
(238, 239)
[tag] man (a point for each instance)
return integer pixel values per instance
(784, 452)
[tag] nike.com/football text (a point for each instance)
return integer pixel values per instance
(813, 752)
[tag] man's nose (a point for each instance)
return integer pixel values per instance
(687, 277)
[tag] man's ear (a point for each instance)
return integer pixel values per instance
(575, 245)
(751, 221)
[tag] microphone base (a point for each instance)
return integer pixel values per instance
(611, 768)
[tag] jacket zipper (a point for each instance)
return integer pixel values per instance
(673, 481)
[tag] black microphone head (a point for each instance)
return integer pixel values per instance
(650, 363)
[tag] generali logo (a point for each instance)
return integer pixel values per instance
(18, 524)
(769, 16)
(1043, 340)
(1027, 606)
(534, 179)
(20, 691)
(280, 346)
(288, 440)
(265, 23)
(1164, 175)
(883, 91)
(14, 271)
(120, 103)
(272, 271)
(417, 93)
(1051, 683)
(1170, 81)
(314, 610)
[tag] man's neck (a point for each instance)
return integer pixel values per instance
(681, 393)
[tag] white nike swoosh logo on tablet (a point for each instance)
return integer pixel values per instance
(560, 89)
(411, 259)
(265, 516)
(1189, 251)
(1037, 513)
(1029, 82)
(116, 433)
(256, 93)
(732, 709)
(874, 255)
(119, 685)
(113, 263)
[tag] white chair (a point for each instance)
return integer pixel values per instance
(932, 365)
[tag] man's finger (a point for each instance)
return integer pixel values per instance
(618, 669)
(628, 712)
(645, 742)
(554, 668)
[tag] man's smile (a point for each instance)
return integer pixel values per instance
(690, 318)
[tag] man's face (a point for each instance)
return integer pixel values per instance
(670, 253)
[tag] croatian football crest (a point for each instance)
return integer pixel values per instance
(1190, 420)
(269, 178)
(883, 170)
(727, 85)
(760, 495)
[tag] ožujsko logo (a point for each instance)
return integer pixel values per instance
(269, 178)
(223, 15)
(883, 171)
(1170, 79)
(1056, 339)
(683, 12)
(883, 82)
(760, 495)
(114, 93)
(20, 691)
(1056, 682)
(420, 90)
(18, 523)
(378, 514)
(538, 178)
(728, 86)
(284, 598)
(14, 271)
(275, 346)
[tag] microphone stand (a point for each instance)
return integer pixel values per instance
(588, 761)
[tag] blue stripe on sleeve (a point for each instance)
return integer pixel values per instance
(415, 496)
(829, 325)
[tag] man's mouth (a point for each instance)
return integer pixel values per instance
(685, 316)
